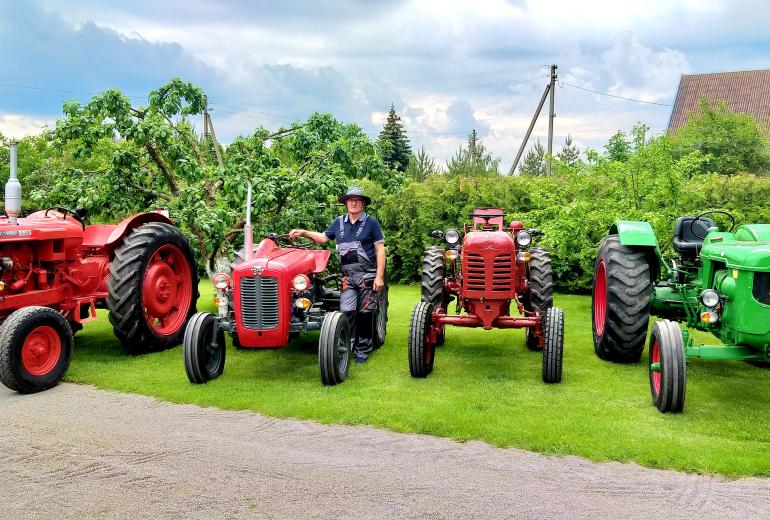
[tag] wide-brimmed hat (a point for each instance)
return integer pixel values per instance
(355, 191)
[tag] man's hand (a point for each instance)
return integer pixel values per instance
(379, 283)
(296, 233)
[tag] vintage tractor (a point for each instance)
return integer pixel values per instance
(55, 272)
(492, 270)
(719, 282)
(274, 292)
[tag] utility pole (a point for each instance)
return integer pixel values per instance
(548, 89)
(208, 131)
(551, 115)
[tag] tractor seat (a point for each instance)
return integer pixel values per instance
(686, 243)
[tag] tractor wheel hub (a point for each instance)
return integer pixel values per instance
(159, 289)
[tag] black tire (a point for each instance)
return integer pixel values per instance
(421, 355)
(668, 384)
(620, 301)
(553, 345)
(334, 348)
(204, 355)
(432, 290)
(540, 294)
(381, 317)
(35, 349)
(126, 299)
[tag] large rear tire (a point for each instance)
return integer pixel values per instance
(668, 369)
(620, 301)
(334, 348)
(35, 349)
(152, 288)
(421, 354)
(553, 345)
(433, 283)
(204, 354)
(540, 295)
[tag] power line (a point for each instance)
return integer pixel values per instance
(613, 95)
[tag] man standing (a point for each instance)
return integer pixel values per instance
(361, 246)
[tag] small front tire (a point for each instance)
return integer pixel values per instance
(421, 354)
(668, 369)
(553, 345)
(334, 348)
(204, 351)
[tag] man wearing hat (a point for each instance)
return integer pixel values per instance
(361, 246)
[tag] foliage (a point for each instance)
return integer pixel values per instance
(393, 143)
(534, 161)
(569, 154)
(474, 159)
(421, 165)
(486, 385)
(618, 148)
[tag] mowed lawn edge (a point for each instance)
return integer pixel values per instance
(485, 385)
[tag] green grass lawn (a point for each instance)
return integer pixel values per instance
(485, 385)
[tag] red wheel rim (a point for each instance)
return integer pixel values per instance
(167, 290)
(655, 374)
(41, 350)
(600, 299)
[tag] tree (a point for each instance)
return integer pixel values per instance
(421, 166)
(393, 143)
(618, 148)
(570, 153)
(473, 159)
(534, 161)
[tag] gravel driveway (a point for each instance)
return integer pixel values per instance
(78, 452)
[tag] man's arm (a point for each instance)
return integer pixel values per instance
(318, 238)
(379, 279)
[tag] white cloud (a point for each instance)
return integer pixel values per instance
(17, 126)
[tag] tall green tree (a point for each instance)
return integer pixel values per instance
(421, 165)
(473, 159)
(570, 153)
(618, 148)
(534, 161)
(394, 144)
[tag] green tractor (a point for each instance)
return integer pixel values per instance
(719, 282)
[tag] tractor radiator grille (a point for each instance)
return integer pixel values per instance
(476, 278)
(259, 302)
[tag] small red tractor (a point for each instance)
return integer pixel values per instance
(273, 294)
(55, 272)
(492, 270)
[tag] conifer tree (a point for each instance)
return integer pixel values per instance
(394, 144)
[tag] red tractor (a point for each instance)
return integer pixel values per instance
(55, 272)
(490, 271)
(272, 295)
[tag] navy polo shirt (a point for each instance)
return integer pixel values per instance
(370, 235)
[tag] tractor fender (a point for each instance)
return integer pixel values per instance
(634, 233)
(133, 222)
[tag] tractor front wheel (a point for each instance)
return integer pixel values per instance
(152, 288)
(334, 348)
(35, 349)
(553, 344)
(540, 295)
(204, 349)
(621, 301)
(421, 354)
(668, 369)
(381, 318)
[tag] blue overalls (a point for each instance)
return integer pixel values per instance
(358, 299)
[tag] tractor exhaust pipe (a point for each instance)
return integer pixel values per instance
(13, 189)
(247, 231)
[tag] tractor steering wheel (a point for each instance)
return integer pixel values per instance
(76, 214)
(288, 242)
(699, 217)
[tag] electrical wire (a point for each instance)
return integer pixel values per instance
(614, 96)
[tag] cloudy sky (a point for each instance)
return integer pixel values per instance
(447, 66)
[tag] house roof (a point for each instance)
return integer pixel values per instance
(745, 92)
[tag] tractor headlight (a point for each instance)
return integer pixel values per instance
(709, 298)
(301, 282)
(452, 236)
(221, 281)
(523, 238)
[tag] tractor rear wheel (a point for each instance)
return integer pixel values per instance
(553, 344)
(152, 288)
(421, 354)
(35, 349)
(334, 348)
(668, 369)
(204, 351)
(540, 295)
(433, 283)
(621, 301)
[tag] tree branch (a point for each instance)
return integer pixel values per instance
(155, 154)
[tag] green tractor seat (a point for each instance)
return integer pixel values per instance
(687, 243)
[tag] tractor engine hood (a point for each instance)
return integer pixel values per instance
(268, 257)
(746, 255)
(39, 227)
